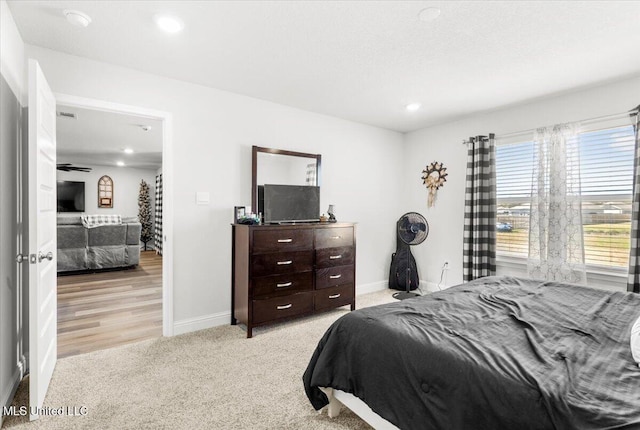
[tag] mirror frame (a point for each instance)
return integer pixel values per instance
(254, 168)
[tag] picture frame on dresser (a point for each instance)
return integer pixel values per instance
(238, 213)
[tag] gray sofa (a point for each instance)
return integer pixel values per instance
(103, 247)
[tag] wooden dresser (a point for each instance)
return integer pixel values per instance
(282, 271)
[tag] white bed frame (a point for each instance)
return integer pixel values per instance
(337, 398)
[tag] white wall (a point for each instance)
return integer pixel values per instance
(213, 132)
(12, 60)
(126, 185)
(444, 143)
(10, 121)
(11, 115)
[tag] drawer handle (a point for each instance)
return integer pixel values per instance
(285, 240)
(336, 237)
(334, 296)
(334, 257)
(335, 276)
(285, 284)
(283, 263)
(284, 307)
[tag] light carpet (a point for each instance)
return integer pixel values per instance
(210, 379)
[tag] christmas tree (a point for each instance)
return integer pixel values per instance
(144, 213)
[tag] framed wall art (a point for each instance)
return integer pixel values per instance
(105, 192)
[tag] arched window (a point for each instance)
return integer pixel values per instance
(105, 192)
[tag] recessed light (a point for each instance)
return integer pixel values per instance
(77, 18)
(120, 163)
(412, 107)
(168, 23)
(128, 151)
(429, 14)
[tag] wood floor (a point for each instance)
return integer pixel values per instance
(107, 309)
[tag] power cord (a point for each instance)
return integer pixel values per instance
(445, 267)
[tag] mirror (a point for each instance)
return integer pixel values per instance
(278, 166)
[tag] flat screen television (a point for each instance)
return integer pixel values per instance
(291, 203)
(70, 196)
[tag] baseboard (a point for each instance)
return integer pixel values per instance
(223, 318)
(430, 287)
(425, 286)
(371, 287)
(201, 323)
(24, 364)
(7, 397)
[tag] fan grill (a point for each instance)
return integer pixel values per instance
(413, 228)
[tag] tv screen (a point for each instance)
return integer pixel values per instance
(70, 196)
(291, 203)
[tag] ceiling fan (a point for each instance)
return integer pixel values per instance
(68, 167)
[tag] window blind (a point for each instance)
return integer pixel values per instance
(606, 177)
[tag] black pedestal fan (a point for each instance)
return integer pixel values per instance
(411, 229)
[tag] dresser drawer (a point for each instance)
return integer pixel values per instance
(332, 276)
(282, 240)
(281, 262)
(282, 284)
(281, 307)
(333, 297)
(329, 257)
(334, 237)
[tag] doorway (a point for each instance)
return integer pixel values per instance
(130, 297)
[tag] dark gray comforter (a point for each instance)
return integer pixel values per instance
(496, 353)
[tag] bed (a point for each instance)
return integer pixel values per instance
(495, 353)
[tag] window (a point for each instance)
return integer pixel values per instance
(606, 176)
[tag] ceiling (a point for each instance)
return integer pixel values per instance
(100, 138)
(359, 60)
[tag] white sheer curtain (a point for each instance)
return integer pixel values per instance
(633, 284)
(556, 246)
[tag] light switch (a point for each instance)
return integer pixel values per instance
(202, 198)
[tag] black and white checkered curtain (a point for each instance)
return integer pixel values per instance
(633, 284)
(157, 235)
(479, 249)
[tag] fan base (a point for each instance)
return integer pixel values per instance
(402, 295)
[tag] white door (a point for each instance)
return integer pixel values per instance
(43, 345)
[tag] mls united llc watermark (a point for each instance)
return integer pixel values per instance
(68, 411)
